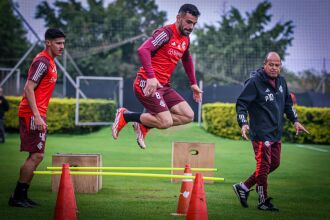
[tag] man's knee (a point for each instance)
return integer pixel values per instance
(36, 158)
(190, 116)
(165, 123)
(187, 117)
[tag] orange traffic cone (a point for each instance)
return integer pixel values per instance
(197, 206)
(185, 193)
(66, 207)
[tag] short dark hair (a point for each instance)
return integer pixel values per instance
(189, 8)
(53, 33)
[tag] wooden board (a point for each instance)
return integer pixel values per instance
(82, 184)
(198, 155)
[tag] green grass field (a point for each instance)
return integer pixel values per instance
(300, 187)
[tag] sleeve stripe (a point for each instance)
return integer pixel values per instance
(161, 37)
(40, 70)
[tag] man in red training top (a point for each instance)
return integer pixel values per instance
(159, 55)
(32, 111)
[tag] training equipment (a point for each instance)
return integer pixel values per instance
(82, 184)
(241, 194)
(194, 153)
(197, 206)
(152, 175)
(185, 193)
(112, 88)
(137, 168)
(66, 207)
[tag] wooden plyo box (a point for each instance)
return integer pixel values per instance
(81, 183)
(198, 155)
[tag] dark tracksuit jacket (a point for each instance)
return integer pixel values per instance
(266, 106)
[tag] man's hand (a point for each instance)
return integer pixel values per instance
(245, 129)
(299, 128)
(39, 124)
(197, 93)
(151, 87)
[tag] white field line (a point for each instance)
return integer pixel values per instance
(311, 148)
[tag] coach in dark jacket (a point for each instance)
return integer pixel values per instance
(265, 98)
(4, 106)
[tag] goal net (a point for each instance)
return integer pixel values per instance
(97, 87)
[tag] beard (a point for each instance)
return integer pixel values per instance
(185, 32)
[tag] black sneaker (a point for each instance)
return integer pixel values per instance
(19, 202)
(267, 206)
(31, 202)
(241, 194)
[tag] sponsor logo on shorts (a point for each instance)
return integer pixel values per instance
(157, 95)
(40, 145)
(267, 143)
(42, 136)
(32, 125)
(142, 83)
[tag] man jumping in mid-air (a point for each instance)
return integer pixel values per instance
(159, 55)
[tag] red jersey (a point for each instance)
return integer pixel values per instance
(165, 48)
(43, 72)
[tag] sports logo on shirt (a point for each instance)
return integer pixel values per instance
(242, 118)
(267, 90)
(53, 80)
(269, 97)
(294, 112)
(183, 45)
(280, 88)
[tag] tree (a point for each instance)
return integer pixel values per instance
(92, 30)
(13, 36)
(239, 44)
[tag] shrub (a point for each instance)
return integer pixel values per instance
(220, 119)
(61, 114)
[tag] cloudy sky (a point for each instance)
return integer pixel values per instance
(311, 44)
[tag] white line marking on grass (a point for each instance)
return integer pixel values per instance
(311, 148)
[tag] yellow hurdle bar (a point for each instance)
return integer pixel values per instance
(128, 174)
(137, 168)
